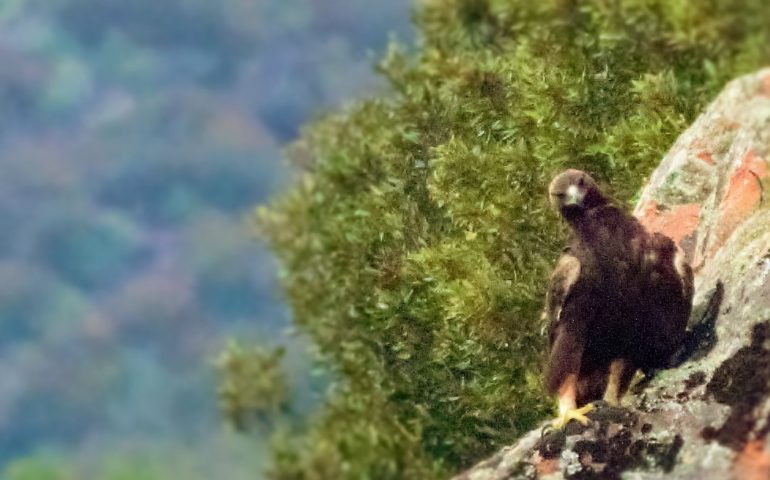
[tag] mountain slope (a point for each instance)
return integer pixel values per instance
(709, 417)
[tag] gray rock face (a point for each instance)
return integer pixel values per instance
(709, 416)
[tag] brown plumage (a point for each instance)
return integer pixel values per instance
(618, 299)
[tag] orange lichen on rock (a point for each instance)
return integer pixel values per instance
(546, 466)
(741, 198)
(753, 462)
(676, 222)
(764, 85)
(707, 157)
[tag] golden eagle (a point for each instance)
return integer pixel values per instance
(618, 299)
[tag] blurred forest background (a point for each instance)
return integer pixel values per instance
(134, 137)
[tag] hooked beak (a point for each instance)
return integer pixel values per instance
(574, 196)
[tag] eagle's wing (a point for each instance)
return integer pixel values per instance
(563, 278)
(566, 312)
(670, 283)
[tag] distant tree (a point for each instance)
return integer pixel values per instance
(126, 127)
(38, 468)
(416, 239)
(33, 302)
(92, 253)
(160, 462)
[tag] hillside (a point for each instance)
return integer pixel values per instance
(707, 418)
(416, 239)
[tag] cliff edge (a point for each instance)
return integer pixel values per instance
(708, 417)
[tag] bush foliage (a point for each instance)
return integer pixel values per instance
(417, 239)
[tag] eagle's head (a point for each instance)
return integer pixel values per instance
(572, 192)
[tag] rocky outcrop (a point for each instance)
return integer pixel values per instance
(708, 417)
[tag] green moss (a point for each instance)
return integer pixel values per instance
(754, 229)
(670, 190)
(724, 142)
(417, 241)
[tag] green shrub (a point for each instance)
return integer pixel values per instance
(417, 239)
(253, 390)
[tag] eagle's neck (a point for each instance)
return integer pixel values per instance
(586, 222)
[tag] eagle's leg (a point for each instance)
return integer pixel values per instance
(621, 374)
(568, 406)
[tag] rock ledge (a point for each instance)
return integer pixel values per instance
(709, 417)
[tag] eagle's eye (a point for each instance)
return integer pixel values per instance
(581, 182)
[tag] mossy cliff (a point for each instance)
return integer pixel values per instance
(709, 416)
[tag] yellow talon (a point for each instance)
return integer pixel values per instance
(578, 414)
